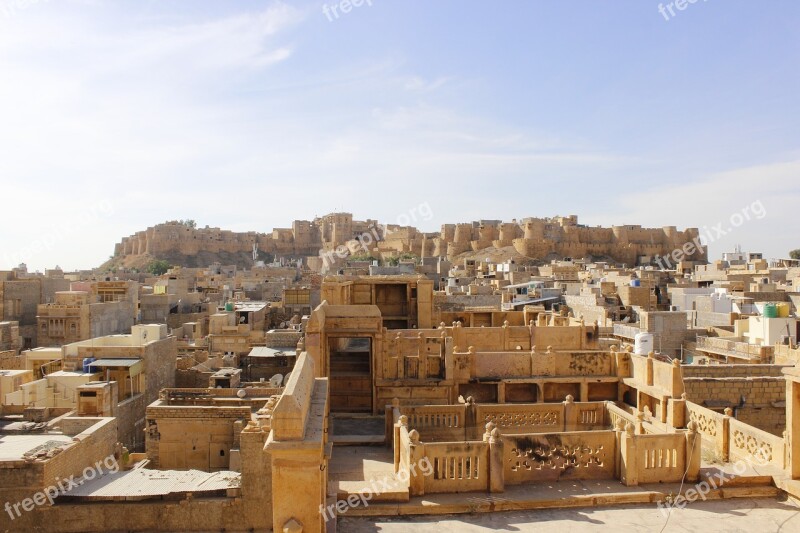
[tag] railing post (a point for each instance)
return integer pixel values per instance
(694, 446)
(570, 414)
(619, 429)
(390, 420)
(677, 380)
(726, 434)
(639, 429)
(496, 474)
(472, 426)
(629, 469)
(416, 481)
(397, 445)
(676, 415)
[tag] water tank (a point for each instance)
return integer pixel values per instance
(770, 310)
(636, 283)
(783, 309)
(643, 343)
(87, 361)
(229, 306)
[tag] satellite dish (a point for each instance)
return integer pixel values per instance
(276, 380)
(241, 393)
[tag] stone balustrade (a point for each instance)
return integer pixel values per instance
(731, 439)
(467, 421)
(497, 460)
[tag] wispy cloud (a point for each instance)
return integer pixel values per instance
(712, 199)
(420, 85)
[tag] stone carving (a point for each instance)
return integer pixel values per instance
(705, 424)
(544, 418)
(557, 457)
(754, 447)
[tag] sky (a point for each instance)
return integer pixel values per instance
(246, 115)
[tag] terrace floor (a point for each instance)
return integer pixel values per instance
(355, 470)
(361, 469)
(728, 516)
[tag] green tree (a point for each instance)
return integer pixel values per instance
(158, 267)
(795, 254)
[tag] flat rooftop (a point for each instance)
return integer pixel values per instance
(143, 483)
(263, 351)
(6, 373)
(14, 447)
(250, 306)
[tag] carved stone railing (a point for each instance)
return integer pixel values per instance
(551, 457)
(752, 444)
(463, 422)
(732, 439)
(489, 464)
(712, 426)
(615, 414)
(457, 467)
(661, 458)
(436, 422)
(522, 418)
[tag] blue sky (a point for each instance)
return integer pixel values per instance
(246, 115)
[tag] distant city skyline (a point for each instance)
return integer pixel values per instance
(246, 115)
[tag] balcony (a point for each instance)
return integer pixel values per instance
(735, 349)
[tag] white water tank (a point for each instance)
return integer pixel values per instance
(643, 343)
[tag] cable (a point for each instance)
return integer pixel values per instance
(683, 479)
(688, 461)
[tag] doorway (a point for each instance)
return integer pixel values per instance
(350, 373)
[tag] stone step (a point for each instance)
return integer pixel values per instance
(736, 481)
(358, 440)
(749, 492)
(529, 497)
(373, 492)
